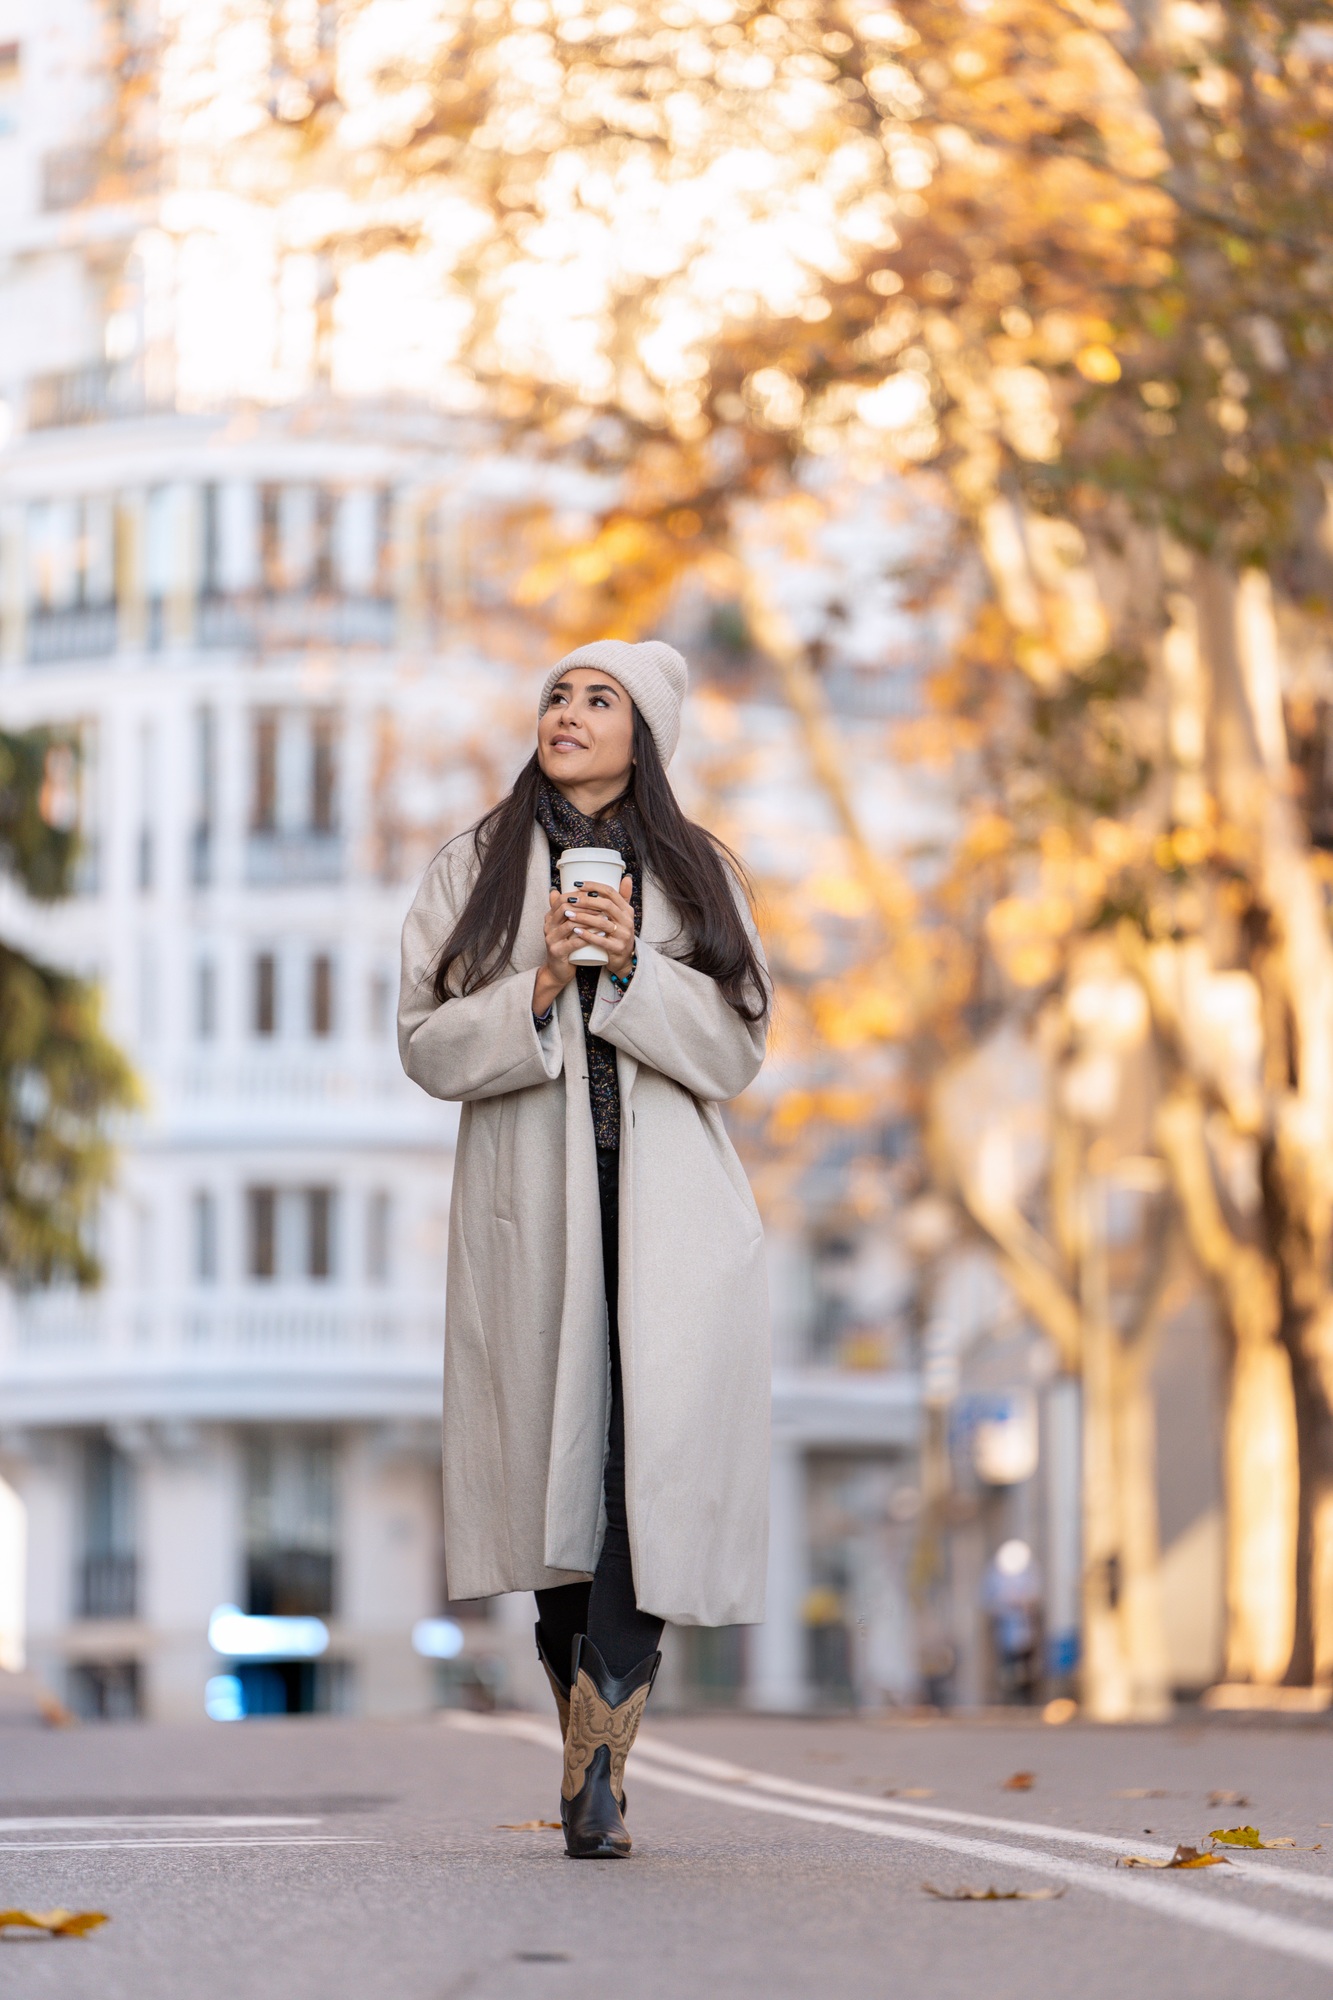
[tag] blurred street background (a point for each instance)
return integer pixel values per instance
(954, 386)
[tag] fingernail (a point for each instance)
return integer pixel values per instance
(578, 885)
(592, 892)
(571, 899)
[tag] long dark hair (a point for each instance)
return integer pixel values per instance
(693, 867)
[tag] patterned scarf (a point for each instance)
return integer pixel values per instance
(565, 826)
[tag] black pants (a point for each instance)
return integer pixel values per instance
(605, 1608)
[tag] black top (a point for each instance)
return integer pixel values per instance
(565, 826)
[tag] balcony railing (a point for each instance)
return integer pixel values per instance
(76, 632)
(285, 1076)
(293, 860)
(276, 1352)
(107, 1586)
(273, 1322)
(92, 394)
(253, 623)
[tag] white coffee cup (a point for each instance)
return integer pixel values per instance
(596, 868)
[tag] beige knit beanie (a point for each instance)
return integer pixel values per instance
(653, 675)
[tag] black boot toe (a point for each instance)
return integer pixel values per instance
(594, 1825)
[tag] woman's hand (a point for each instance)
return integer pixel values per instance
(586, 916)
(605, 917)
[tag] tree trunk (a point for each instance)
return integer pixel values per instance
(1253, 785)
(1312, 1644)
(1259, 1449)
(1107, 1690)
(1261, 1486)
(1143, 1641)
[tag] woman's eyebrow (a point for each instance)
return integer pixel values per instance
(593, 687)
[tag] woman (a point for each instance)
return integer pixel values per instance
(606, 1348)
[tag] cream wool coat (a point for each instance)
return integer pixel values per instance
(527, 1378)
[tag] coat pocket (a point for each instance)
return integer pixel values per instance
(505, 1142)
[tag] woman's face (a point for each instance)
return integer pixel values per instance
(586, 736)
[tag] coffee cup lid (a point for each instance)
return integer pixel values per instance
(591, 854)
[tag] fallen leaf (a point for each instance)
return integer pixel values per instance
(1059, 1711)
(1139, 1792)
(1022, 1781)
(529, 1826)
(908, 1792)
(1184, 1857)
(991, 1895)
(58, 1923)
(1227, 1799)
(1250, 1836)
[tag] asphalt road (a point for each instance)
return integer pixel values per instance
(344, 1860)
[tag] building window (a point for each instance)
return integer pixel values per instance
(264, 786)
(290, 1525)
(107, 1577)
(161, 541)
(379, 1230)
(323, 773)
(205, 1000)
(319, 1232)
(270, 539)
(210, 566)
(357, 542)
(148, 1010)
(10, 96)
(205, 1237)
(147, 803)
(105, 1690)
(266, 994)
(321, 994)
(293, 1233)
(205, 796)
(296, 524)
(263, 1230)
(144, 1243)
(381, 1004)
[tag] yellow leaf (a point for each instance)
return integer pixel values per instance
(59, 1923)
(1097, 363)
(529, 1826)
(1249, 1836)
(1184, 1857)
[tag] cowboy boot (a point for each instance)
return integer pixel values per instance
(559, 1687)
(604, 1716)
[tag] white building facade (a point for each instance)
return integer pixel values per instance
(252, 598)
(247, 1411)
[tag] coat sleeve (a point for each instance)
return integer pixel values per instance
(481, 1045)
(675, 1020)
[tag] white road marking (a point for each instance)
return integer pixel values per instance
(1191, 1905)
(1319, 1887)
(239, 1840)
(40, 1821)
